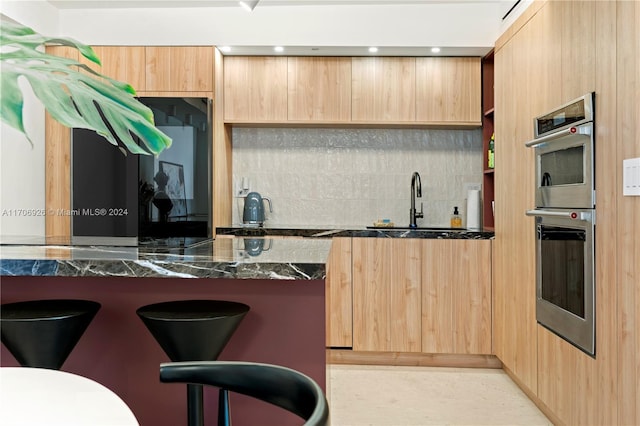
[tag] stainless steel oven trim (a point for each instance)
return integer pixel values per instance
(576, 330)
(579, 130)
(588, 100)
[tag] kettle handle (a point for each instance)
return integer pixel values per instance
(268, 201)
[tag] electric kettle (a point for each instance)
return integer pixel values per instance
(253, 213)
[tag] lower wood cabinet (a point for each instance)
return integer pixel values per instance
(339, 300)
(456, 296)
(386, 294)
(422, 295)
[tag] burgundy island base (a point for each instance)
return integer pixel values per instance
(284, 286)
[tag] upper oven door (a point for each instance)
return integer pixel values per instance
(564, 168)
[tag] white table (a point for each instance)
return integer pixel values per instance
(42, 397)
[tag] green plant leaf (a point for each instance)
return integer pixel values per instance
(12, 102)
(74, 94)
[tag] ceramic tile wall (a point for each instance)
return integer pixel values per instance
(351, 177)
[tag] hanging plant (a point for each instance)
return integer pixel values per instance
(72, 93)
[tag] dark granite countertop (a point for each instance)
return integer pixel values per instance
(362, 232)
(243, 258)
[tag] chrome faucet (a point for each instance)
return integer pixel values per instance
(416, 191)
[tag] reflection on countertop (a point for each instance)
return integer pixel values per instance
(244, 258)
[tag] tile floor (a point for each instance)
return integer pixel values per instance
(382, 395)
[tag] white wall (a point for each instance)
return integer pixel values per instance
(352, 177)
(441, 24)
(22, 177)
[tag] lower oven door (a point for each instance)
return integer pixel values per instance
(565, 302)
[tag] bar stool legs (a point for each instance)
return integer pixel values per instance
(194, 330)
(42, 333)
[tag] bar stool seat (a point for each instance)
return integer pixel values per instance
(194, 330)
(42, 333)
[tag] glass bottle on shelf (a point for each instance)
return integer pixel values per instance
(491, 153)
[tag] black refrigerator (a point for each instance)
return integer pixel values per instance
(120, 198)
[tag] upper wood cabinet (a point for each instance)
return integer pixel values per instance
(179, 68)
(123, 63)
(255, 88)
(319, 89)
(386, 294)
(448, 89)
(383, 89)
(360, 90)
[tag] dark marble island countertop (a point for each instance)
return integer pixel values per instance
(356, 232)
(240, 258)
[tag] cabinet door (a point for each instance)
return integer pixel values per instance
(255, 88)
(58, 165)
(319, 89)
(383, 89)
(456, 296)
(123, 63)
(448, 89)
(339, 299)
(386, 295)
(179, 68)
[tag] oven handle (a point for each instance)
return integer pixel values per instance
(580, 130)
(587, 216)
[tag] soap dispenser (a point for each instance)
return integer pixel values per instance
(456, 219)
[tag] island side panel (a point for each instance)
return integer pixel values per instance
(285, 326)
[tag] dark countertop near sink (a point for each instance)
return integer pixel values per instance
(253, 256)
(363, 232)
(241, 258)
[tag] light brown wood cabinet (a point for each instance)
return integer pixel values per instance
(123, 63)
(383, 89)
(422, 295)
(386, 294)
(319, 89)
(255, 89)
(58, 165)
(456, 296)
(157, 69)
(360, 90)
(555, 52)
(339, 299)
(179, 68)
(448, 89)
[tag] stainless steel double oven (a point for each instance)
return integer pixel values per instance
(565, 221)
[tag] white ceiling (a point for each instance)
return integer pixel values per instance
(303, 27)
(104, 4)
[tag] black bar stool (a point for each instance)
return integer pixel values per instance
(42, 333)
(194, 330)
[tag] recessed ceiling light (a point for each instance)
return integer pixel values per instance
(226, 48)
(373, 49)
(279, 49)
(435, 50)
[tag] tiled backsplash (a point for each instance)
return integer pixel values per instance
(351, 177)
